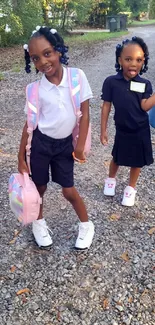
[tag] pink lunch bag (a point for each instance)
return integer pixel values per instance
(24, 198)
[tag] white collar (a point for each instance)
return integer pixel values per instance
(47, 85)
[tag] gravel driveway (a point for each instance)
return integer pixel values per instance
(113, 282)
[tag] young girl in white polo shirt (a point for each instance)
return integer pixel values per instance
(52, 140)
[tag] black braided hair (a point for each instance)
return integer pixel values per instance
(28, 61)
(134, 40)
(54, 39)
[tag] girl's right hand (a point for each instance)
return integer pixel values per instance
(104, 138)
(22, 167)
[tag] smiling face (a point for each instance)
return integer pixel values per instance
(131, 60)
(45, 58)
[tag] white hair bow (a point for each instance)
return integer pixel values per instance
(25, 47)
(53, 31)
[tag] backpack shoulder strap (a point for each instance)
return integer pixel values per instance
(75, 86)
(32, 96)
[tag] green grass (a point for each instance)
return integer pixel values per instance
(92, 37)
(16, 68)
(1, 76)
(142, 22)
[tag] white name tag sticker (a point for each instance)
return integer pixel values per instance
(137, 86)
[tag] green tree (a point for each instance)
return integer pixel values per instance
(21, 16)
(152, 9)
(83, 10)
(136, 7)
(11, 22)
(30, 13)
(98, 10)
(116, 6)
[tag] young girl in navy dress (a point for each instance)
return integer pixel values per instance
(52, 140)
(131, 96)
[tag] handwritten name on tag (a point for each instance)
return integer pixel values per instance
(137, 86)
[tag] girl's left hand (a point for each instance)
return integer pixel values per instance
(79, 156)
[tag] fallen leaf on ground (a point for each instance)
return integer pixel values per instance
(114, 217)
(2, 129)
(3, 278)
(58, 316)
(80, 257)
(25, 290)
(97, 266)
(4, 154)
(105, 303)
(13, 268)
(138, 215)
(151, 231)
(69, 236)
(16, 233)
(107, 163)
(145, 292)
(12, 241)
(38, 251)
(63, 206)
(130, 300)
(125, 256)
(119, 303)
(100, 186)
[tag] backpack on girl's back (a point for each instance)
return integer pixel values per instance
(32, 102)
(55, 133)
(24, 198)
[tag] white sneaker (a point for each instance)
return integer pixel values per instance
(109, 186)
(85, 236)
(41, 233)
(129, 196)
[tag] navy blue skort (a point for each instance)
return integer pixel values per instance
(55, 154)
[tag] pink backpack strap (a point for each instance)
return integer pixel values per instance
(74, 78)
(32, 100)
(75, 86)
(32, 96)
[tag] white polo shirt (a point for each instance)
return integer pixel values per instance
(57, 118)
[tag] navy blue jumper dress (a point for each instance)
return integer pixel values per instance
(132, 146)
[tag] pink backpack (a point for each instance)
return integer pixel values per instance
(32, 96)
(24, 198)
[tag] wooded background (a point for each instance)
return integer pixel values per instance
(19, 17)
